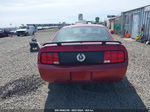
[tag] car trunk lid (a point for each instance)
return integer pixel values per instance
(85, 53)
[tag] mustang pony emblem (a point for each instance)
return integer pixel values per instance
(81, 57)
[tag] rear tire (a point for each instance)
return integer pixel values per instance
(31, 50)
(27, 34)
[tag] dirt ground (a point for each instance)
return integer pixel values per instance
(22, 88)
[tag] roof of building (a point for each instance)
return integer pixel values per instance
(136, 8)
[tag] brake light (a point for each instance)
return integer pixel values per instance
(114, 56)
(49, 58)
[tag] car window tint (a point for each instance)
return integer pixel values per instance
(83, 34)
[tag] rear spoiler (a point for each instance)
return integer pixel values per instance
(103, 42)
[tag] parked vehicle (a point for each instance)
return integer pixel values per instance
(4, 33)
(13, 32)
(26, 31)
(39, 28)
(81, 53)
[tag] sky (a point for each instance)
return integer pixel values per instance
(16, 12)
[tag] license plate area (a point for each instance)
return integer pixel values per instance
(80, 76)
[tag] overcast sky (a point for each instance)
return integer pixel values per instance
(18, 12)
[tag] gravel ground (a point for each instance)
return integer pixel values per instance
(22, 88)
(139, 67)
(20, 83)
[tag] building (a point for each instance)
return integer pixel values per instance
(81, 20)
(135, 20)
(114, 23)
(80, 17)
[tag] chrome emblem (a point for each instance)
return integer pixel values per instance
(81, 57)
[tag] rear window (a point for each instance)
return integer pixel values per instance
(83, 34)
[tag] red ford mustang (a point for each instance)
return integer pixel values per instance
(81, 53)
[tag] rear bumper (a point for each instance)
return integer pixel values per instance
(83, 73)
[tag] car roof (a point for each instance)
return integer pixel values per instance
(84, 25)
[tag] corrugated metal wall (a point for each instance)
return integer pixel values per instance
(138, 17)
(146, 23)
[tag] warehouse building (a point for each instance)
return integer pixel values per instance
(136, 21)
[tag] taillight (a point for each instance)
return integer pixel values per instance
(114, 56)
(49, 58)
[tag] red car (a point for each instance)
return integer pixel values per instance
(83, 53)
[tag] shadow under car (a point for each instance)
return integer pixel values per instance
(114, 97)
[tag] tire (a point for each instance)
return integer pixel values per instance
(33, 33)
(27, 34)
(31, 50)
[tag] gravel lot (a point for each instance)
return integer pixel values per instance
(22, 88)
